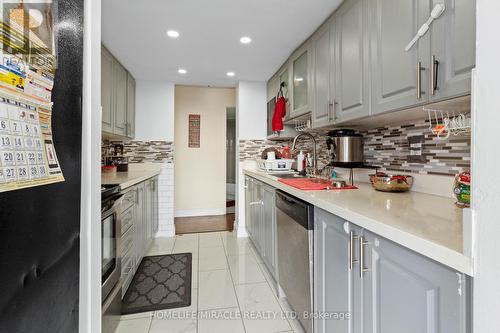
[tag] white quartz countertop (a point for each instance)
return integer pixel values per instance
(427, 224)
(129, 178)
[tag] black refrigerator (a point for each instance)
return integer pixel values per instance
(40, 226)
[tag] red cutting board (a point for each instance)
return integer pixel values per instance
(308, 185)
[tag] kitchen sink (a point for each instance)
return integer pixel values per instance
(293, 176)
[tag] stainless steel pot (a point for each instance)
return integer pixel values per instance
(346, 148)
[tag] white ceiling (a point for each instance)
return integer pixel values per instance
(208, 46)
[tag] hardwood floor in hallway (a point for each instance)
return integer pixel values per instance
(198, 224)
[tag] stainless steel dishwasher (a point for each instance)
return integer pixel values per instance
(295, 221)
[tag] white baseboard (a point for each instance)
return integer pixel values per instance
(242, 232)
(200, 212)
(162, 234)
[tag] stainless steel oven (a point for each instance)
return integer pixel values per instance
(111, 200)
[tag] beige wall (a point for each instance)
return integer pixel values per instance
(200, 173)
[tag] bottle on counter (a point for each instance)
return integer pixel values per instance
(300, 161)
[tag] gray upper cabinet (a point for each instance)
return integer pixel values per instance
(352, 61)
(453, 49)
(284, 77)
(366, 71)
(437, 67)
(394, 71)
(120, 86)
(130, 125)
(323, 85)
(106, 90)
(117, 97)
(272, 87)
(406, 292)
(300, 66)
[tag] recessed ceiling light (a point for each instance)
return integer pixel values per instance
(182, 71)
(230, 74)
(172, 34)
(245, 40)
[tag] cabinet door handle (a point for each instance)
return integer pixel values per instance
(419, 79)
(330, 110)
(362, 268)
(434, 74)
(352, 261)
(260, 202)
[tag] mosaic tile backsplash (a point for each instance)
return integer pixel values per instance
(390, 148)
(409, 148)
(147, 151)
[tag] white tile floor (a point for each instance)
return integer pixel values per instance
(231, 291)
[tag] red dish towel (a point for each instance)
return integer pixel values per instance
(279, 114)
(308, 185)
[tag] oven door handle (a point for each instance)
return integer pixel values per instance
(115, 198)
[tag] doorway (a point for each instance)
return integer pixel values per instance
(230, 160)
(202, 167)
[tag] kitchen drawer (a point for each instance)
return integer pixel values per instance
(127, 262)
(129, 199)
(127, 271)
(127, 242)
(127, 220)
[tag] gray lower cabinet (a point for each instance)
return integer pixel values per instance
(248, 200)
(256, 215)
(394, 71)
(140, 239)
(156, 220)
(148, 211)
(269, 228)
(406, 292)
(335, 287)
(151, 208)
(261, 221)
(453, 48)
(385, 287)
(127, 250)
(352, 57)
(139, 226)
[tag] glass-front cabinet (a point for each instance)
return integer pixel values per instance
(284, 78)
(300, 66)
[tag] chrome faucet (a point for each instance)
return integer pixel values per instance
(315, 161)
